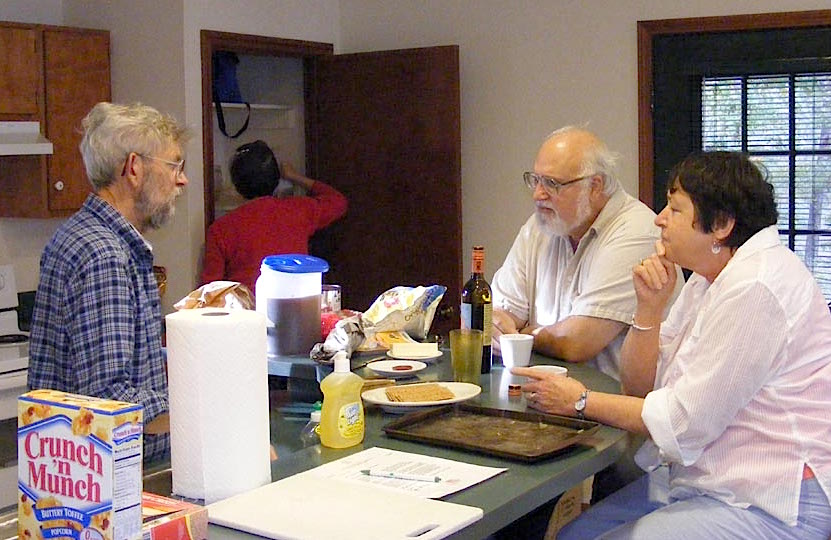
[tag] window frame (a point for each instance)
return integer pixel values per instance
(648, 30)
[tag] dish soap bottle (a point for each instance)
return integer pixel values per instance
(342, 416)
(309, 435)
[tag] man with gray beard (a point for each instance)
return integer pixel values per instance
(567, 279)
(97, 323)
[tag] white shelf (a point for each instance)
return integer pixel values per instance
(255, 106)
(22, 138)
(263, 115)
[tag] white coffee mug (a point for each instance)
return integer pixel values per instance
(551, 370)
(516, 349)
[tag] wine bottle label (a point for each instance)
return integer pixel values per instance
(487, 324)
(480, 318)
(466, 311)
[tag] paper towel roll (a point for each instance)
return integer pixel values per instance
(219, 419)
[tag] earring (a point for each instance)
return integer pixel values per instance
(715, 248)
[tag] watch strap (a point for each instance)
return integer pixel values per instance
(580, 404)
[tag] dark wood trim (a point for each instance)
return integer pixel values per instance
(212, 40)
(647, 30)
(37, 26)
(646, 137)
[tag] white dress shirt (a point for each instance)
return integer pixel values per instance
(743, 383)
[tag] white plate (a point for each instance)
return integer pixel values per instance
(419, 358)
(461, 391)
(387, 368)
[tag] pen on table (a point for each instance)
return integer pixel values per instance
(401, 476)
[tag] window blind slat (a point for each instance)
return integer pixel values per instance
(755, 114)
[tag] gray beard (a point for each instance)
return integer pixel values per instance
(552, 226)
(556, 226)
(156, 215)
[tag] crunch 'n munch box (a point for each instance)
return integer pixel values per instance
(79, 467)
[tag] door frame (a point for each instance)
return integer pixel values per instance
(647, 30)
(211, 41)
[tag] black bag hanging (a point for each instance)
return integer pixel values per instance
(226, 88)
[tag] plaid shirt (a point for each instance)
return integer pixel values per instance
(96, 324)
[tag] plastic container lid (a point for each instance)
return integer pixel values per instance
(341, 362)
(295, 263)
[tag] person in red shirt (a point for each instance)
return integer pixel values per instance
(267, 224)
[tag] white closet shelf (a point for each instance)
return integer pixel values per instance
(258, 106)
(265, 116)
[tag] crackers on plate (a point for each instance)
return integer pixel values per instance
(418, 392)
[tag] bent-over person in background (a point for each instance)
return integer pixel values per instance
(732, 389)
(97, 322)
(567, 278)
(268, 223)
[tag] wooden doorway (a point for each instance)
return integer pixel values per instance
(384, 128)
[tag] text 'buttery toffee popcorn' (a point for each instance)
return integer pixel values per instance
(79, 467)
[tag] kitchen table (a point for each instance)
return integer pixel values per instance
(504, 498)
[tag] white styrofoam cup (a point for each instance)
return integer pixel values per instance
(516, 349)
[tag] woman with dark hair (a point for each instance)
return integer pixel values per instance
(268, 223)
(732, 390)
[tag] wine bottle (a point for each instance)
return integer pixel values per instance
(476, 304)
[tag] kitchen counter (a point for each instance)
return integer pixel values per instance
(504, 498)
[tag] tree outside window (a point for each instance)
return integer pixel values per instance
(783, 121)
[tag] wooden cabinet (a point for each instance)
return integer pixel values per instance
(19, 71)
(71, 68)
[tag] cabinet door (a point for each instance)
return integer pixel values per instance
(77, 76)
(19, 71)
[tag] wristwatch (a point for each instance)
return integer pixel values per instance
(580, 404)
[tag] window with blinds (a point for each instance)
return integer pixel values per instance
(784, 121)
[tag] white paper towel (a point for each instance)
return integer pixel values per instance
(219, 419)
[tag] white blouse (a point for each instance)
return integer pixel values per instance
(743, 384)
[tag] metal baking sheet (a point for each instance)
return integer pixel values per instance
(526, 436)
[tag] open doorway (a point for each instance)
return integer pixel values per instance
(275, 54)
(384, 129)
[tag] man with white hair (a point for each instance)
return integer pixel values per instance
(567, 279)
(96, 323)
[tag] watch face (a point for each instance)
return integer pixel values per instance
(581, 403)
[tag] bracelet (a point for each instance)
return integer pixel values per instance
(636, 326)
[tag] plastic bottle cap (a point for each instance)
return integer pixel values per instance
(294, 263)
(315, 416)
(317, 406)
(341, 362)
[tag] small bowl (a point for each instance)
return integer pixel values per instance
(396, 369)
(551, 370)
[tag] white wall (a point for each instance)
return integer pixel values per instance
(34, 12)
(527, 67)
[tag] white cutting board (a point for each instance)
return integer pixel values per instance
(307, 507)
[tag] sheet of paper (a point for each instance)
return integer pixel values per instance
(453, 475)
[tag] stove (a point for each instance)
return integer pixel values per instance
(14, 367)
(14, 347)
